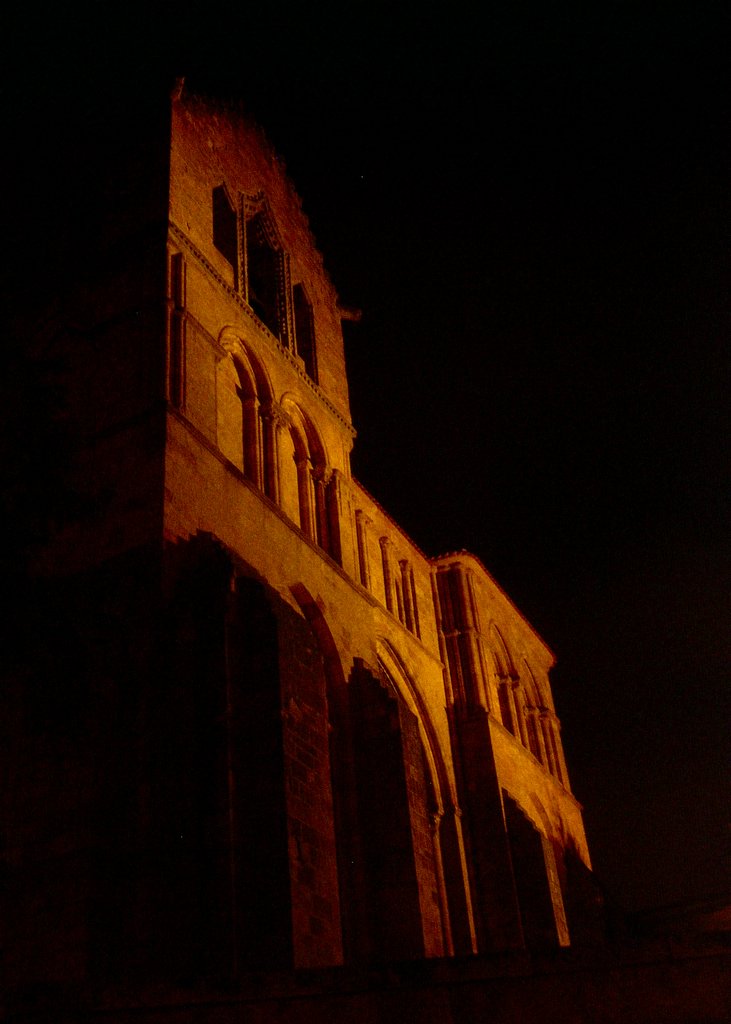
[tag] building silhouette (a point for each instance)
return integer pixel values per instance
(252, 727)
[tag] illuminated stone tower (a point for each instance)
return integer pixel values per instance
(292, 738)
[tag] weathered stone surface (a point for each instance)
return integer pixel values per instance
(258, 727)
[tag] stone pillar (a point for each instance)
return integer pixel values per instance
(458, 891)
(321, 523)
(386, 546)
(408, 597)
(362, 522)
(306, 495)
(558, 748)
(414, 603)
(472, 670)
(447, 944)
(271, 426)
(334, 513)
(252, 441)
(458, 613)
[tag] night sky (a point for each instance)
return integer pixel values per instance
(529, 204)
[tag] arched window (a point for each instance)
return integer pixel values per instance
(307, 488)
(510, 698)
(247, 432)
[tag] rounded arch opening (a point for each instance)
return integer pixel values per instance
(254, 393)
(304, 491)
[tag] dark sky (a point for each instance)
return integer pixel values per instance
(529, 203)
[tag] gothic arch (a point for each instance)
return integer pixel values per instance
(400, 869)
(312, 610)
(342, 778)
(502, 658)
(232, 341)
(312, 473)
(255, 393)
(315, 447)
(394, 666)
(447, 840)
(510, 697)
(536, 855)
(532, 708)
(545, 728)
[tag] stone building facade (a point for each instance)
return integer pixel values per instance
(259, 727)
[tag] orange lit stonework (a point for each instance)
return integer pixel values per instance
(470, 839)
(256, 727)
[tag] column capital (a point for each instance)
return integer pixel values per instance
(273, 413)
(320, 472)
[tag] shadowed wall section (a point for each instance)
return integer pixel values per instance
(244, 817)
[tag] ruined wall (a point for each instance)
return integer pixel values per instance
(297, 740)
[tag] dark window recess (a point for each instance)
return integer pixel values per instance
(304, 330)
(264, 275)
(225, 235)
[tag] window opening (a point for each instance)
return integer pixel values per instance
(225, 231)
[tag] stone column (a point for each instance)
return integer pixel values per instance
(555, 730)
(252, 441)
(386, 547)
(362, 522)
(408, 597)
(321, 524)
(434, 828)
(272, 424)
(334, 511)
(472, 670)
(306, 495)
(414, 603)
(457, 885)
